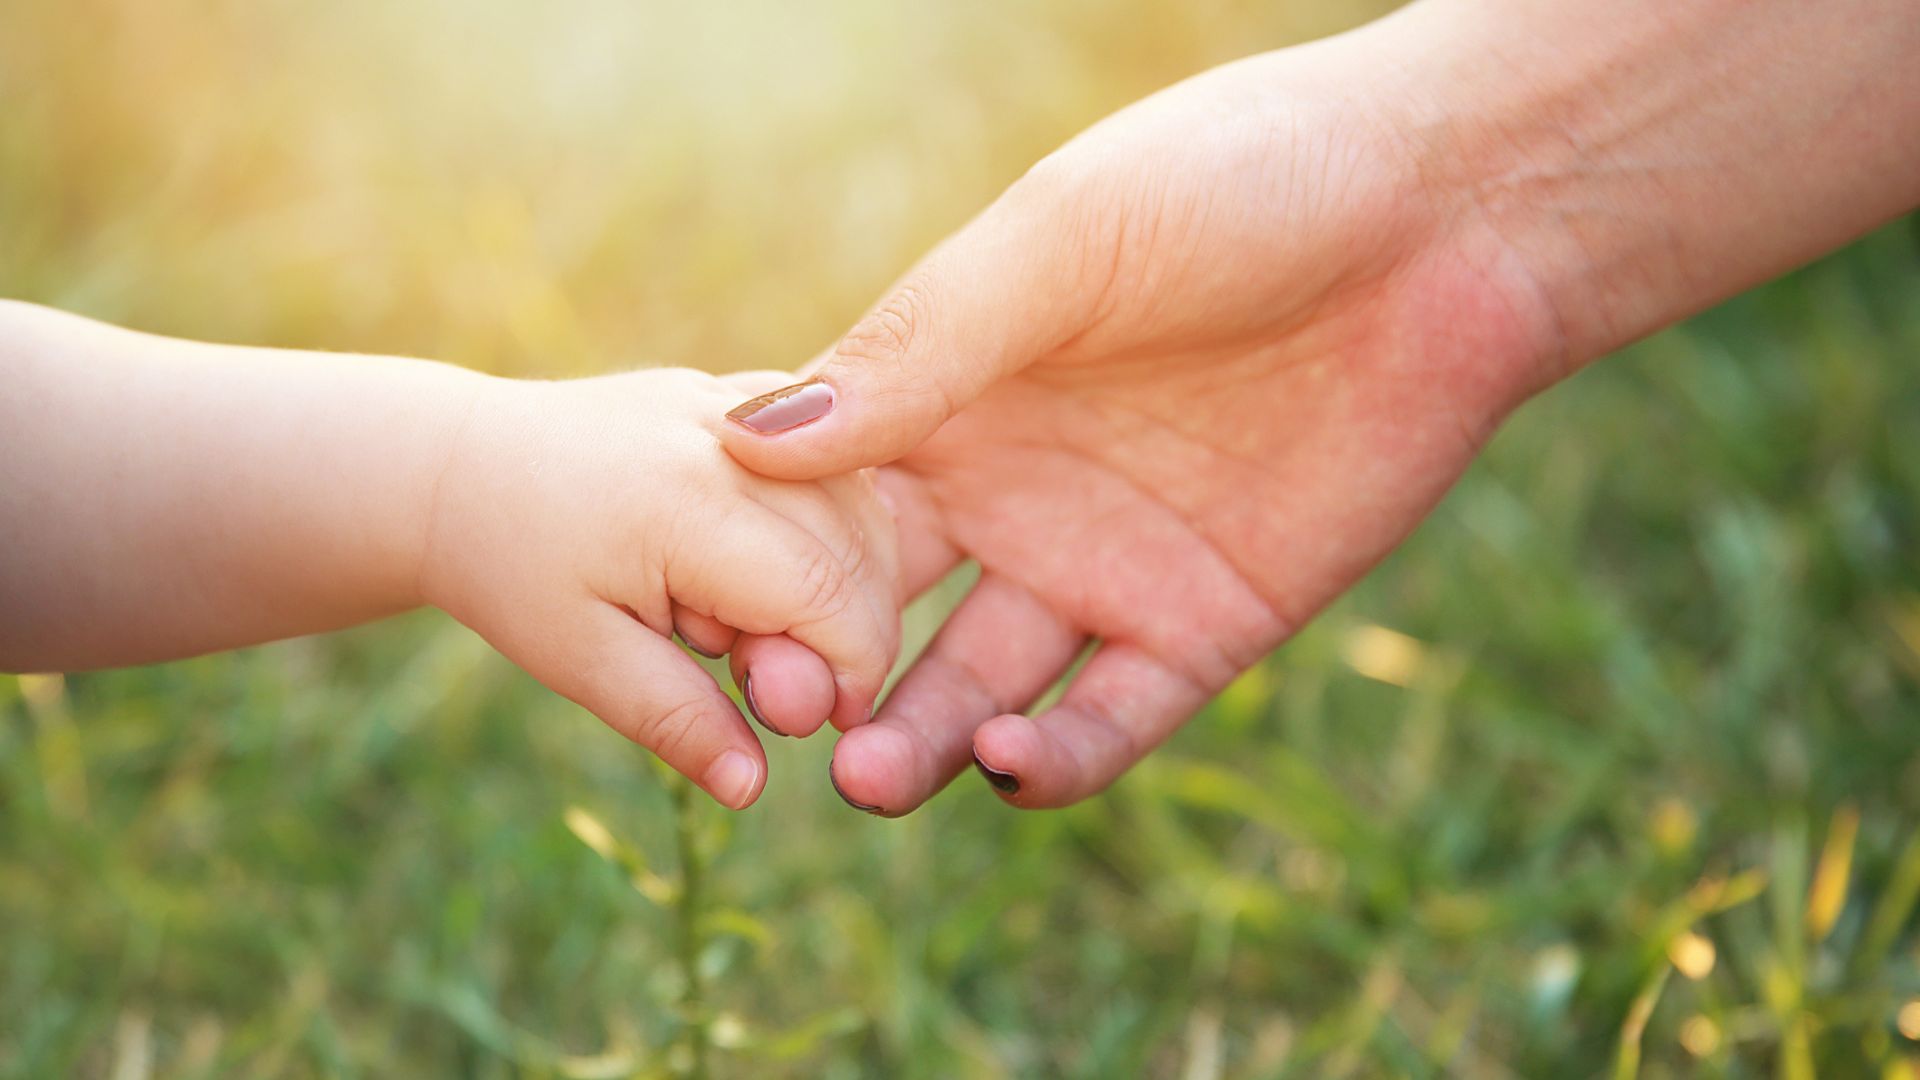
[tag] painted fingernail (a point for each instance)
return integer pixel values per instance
(1004, 782)
(753, 707)
(734, 779)
(785, 409)
(838, 790)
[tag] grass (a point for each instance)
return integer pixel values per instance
(1613, 770)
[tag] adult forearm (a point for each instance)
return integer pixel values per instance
(1647, 158)
(161, 498)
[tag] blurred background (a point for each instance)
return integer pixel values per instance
(1613, 770)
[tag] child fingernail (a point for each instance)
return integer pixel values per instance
(1002, 781)
(845, 798)
(753, 707)
(784, 409)
(734, 779)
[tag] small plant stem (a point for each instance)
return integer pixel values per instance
(692, 870)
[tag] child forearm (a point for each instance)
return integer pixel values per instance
(163, 498)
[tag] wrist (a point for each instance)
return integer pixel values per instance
(468, 404)
(1538, 126)
(1646, 159)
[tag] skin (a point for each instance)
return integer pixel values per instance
(163, 498)
(1200, 369)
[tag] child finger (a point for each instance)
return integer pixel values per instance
(763, 572)
(645, 688)
(703, 634)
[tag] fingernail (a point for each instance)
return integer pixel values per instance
(698, 649)
(732, 779)
(1004, 782)
(785, 409)
(753, 707)
(837, 790)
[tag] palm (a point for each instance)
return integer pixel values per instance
(1173, 515)
(1198, 514)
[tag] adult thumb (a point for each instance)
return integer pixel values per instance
(997, 295)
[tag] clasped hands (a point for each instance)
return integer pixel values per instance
(1173, 392)
(1177, 389)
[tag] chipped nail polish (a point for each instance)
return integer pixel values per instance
(753, 707)
(837, 790)
(1004, 782)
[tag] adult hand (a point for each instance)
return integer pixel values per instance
(1200, 369)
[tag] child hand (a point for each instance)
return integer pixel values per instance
(572, 520)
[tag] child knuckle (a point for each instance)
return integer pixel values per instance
(668, 731)
(821, 587)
